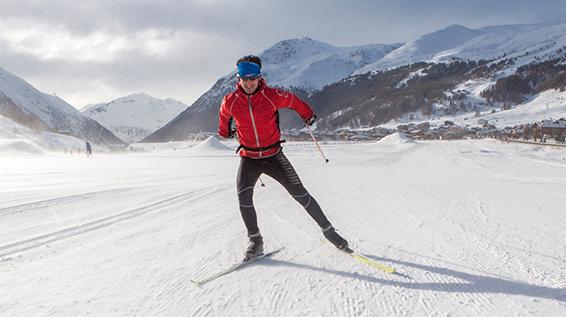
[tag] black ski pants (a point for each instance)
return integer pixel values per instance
(280, 169)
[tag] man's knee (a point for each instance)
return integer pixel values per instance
(245, 197)
(303, 198)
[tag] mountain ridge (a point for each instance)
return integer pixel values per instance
(135, 116)
(26, 105)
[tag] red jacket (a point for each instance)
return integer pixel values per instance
(256, 118)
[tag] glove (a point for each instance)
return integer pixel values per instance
(310, 121)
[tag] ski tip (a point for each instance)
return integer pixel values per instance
(196, 283)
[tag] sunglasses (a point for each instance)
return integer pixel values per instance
(252, 78)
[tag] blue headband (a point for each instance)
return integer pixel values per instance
(248, 69)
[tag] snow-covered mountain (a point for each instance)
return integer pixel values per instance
(456, 41)
(19, 139)
(302, 63)
(22, 103)
(310, 67)
(310, 64)
(550, 104)
(136, 116)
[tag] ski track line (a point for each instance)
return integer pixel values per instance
(425, 302)
(479, 295)
(376, 295)
(493, 241)
(227, 302)
(355, 305)
(167, 292)
(477, 247)
(493, 291)
(35, 242)
(278, 295)
(274, 299)
(203, 310)
(449, 286)
(215, 262)
(321, 288)
(318, 287)
(523, 256)
(476, 293)
(59, 200)
(481, 209)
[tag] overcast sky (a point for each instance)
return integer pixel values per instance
(95, 51)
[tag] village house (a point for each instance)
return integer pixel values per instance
(548, 128)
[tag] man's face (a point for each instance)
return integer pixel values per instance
(249, 85)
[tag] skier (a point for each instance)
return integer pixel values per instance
(253, 107)
(88, 149)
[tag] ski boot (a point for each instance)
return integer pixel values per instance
(255, 248)
(331, 235)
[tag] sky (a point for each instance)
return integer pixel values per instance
(95, 51)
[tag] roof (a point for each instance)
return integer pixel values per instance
(560, 124)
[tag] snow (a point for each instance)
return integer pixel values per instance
(474, 227)
(50, 110)
(15, 138)
(550, 104)
(211, 144)
(18, 146)
(494, 42)
(394, 139)
(313, 64)
(415, 74)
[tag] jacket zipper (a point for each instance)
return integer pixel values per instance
(253, 123)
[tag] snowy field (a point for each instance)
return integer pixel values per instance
(475, 228)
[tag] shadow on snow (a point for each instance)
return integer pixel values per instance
(474, 283)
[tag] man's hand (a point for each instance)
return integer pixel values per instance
(310, 121)
(230, 135)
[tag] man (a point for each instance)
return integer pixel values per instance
(88, 149)
(253, 107)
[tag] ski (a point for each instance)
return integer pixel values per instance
(234, 267)
(365, 260)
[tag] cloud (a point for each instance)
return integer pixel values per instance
(95, 51)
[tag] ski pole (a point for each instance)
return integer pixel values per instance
(318, 146)
(262, 184)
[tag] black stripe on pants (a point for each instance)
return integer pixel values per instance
(280, 169)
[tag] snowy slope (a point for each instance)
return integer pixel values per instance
(134, 117)
(456, 41)
(311, 64)
(47, 112)
(475, 228)
(15, 138)
(550, 104)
